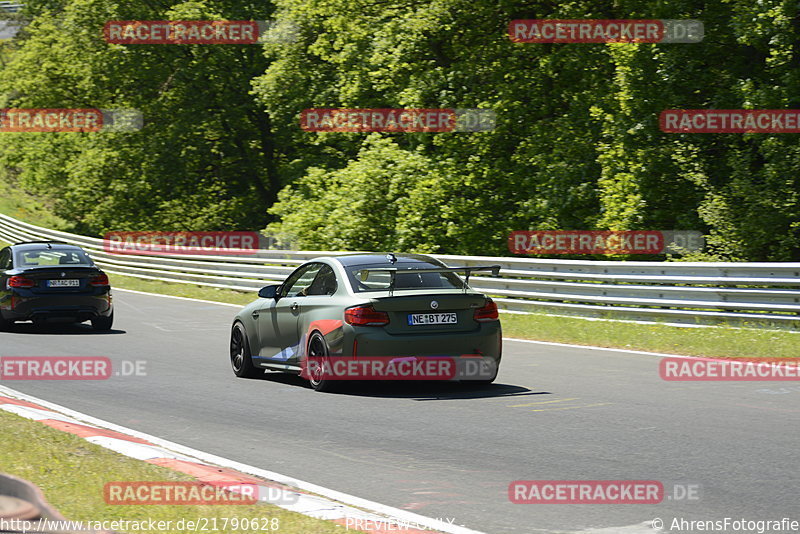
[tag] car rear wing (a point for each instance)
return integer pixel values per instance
(495, 269)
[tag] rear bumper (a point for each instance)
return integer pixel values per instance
(23, 307)
(370, 353)
(485, 340)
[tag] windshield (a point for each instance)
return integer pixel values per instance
(51, 258)
(364, 278)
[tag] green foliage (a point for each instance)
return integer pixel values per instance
(204, 159)
(577, 145)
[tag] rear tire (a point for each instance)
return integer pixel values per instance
(241, 357)
(483, 382)
(318, 349)
(103, 324)
(5, 325)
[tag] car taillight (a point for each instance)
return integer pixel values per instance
(99, 280)
(21, 281)
(365, 316)
(487, 313)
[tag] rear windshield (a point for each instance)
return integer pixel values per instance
(51, 258)
(363, 279)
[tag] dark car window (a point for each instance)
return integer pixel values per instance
(363, 279)
(298, 284)
(324, 283)
(5, 259)
(51, 258)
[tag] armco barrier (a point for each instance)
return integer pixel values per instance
(758, 294)
(10, 7)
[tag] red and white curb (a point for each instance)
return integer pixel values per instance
(296, 495)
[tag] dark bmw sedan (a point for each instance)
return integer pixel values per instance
(52, 281)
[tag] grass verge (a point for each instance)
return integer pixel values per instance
(16, 203)
(72, 473)
(182, 290)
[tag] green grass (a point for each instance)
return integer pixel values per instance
(715, 341)
(183, 290)
(72, 473)
(19, 204)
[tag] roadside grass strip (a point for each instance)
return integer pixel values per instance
(712, 341)
(72, 460)
(16, 203)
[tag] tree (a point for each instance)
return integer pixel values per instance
(205, 158)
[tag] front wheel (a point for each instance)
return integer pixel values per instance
(483, 381)
(241, 357)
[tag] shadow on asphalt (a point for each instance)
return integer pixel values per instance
(430, 391)
(414, 390)
(63, 329)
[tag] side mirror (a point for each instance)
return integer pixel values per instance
(269, 292)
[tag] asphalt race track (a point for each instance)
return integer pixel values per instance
(443, 450)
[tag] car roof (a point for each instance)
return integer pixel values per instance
(44, 245)
(350, 260)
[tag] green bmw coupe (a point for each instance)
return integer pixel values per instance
(370, 317)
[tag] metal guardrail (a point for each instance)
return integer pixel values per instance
(756, 294)
(10, 7)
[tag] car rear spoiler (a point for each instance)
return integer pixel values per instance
(495, 269)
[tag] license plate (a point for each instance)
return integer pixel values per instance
(63, 283)
(416, 319)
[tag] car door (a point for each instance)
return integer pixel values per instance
(315, 307)
(278, 320)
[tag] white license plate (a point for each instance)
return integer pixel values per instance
(63, 283)
(416, 319)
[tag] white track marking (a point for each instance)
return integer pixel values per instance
(179, 298)
(607, 349)
(328, 508)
